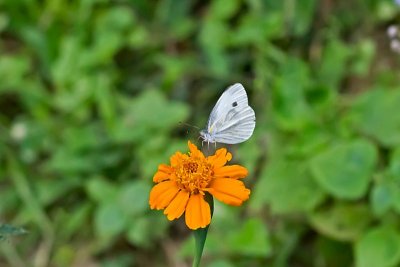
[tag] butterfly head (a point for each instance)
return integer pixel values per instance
(207, 137)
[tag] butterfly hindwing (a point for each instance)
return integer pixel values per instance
(239, 129)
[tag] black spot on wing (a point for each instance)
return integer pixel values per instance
(234, 104)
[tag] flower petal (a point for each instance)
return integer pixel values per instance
(230, 191)
(163, 173)
(177, 206)
(194, 151)
(220, 158)
(162, 194)
(176, 158)
(231, 171)
(198, 214)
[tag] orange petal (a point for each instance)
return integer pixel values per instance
(230, 191)
(176, 158)
(198, 214)
(231, 171)
(194, 151)
(177, 206)
(163, 173)
(220, 158)
(162, 194)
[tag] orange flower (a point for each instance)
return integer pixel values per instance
(182, 185)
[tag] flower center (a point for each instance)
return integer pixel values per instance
(193, 175)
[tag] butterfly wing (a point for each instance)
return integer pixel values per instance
(232, 120)
(239, 129)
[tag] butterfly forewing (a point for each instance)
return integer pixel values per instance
(232, 120)
(231, 101)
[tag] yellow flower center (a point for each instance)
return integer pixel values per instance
(193, 175)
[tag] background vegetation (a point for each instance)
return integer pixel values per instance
(92, 94)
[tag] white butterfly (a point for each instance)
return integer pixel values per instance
(232, 120)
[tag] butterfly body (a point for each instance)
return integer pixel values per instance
(232, 120)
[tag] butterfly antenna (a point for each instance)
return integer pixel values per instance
(187, 124)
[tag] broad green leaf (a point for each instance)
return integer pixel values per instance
(101, 190)
(145, 230)
(148, 115)
(381, 198)
(379, 246)
(200, 235)
(375, 115)
(174, 16)
(254, 29)
(291, 110)
(12, 71)
(221, 9)
(334, 59)
(133, 197)
(394, 165)
(251, 240)
(395, 195)
(49, 191)
(344, 222)
(365, 54)
(110, 220)
(287, 186)
(345, 170)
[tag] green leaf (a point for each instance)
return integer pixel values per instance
(133, 197)
(291, 110)
(145, 230)
(200, 235)
(332, 68)
(101, 190)
(345, 170)
(110, 220)
(251, 240)
(379, 246)
(49, 191)
(12, 71)
(221, 9)
(342, 221)
(394, 165)
(148, 115)
(375, 114)
(381, 198)
(286, 186)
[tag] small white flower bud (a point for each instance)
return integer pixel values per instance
(395, 45)
(392, 31)
(18, 131)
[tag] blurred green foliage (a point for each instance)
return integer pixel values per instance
(92, 94)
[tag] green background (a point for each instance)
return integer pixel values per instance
(93, 93)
